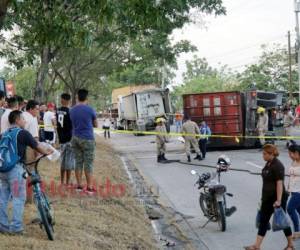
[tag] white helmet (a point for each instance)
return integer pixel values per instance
(224, 160)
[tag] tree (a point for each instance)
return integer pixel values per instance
(200, 77)
(198, 67)
(3, 9)
(46, 28)
(270, 72)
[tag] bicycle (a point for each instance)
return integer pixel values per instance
(45, 211)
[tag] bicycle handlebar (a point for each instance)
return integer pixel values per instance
(34, 162)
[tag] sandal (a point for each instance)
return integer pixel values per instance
(252, 248)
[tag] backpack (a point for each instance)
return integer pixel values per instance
(9, 150)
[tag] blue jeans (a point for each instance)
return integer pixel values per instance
(12, 187)
(294, 210)
(178, 126)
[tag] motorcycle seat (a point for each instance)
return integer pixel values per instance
(217, 188)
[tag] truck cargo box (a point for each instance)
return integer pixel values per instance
(128, 108)
(150, 104)
(222, 111)
(139, 110)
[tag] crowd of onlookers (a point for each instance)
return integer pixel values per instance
(33, 124)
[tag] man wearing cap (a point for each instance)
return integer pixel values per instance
(161, 139)
(49, 123)
(191, 130)
(262, 124)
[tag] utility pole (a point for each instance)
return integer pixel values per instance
(163, 74)
(290, 67)
(297, 10)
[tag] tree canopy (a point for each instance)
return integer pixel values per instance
(43, 30)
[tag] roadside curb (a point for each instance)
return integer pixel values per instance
(173, 226)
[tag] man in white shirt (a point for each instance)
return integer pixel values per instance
(49, 123)
(106, 126)
(12, 104)
(30, 116)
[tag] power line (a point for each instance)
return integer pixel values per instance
(246, 48)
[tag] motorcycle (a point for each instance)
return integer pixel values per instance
(213, 194)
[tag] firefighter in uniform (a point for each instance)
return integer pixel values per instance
(191, 128)
(161, 139)
(262, 124)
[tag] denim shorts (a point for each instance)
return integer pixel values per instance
(84, 151)
(67, 157)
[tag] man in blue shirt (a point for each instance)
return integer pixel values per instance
(84, 121)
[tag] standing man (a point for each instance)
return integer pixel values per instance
(13, 185)
(83, 119)
(161, 139)
(31, 125)
(178, 121)
(31, 117)
(262, 124)
(106, 126)
(49, 123)
(12, 104)
(192, 130)
(43, 110)
(21, 103)
(288, 122)
(205, 132)
(64, 131)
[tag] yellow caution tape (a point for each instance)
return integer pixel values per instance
(237, 138)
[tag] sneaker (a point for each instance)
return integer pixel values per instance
(4, 230)
(79, 188)
(198, 157)
(91, 191)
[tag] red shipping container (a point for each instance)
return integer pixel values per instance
(223, 112)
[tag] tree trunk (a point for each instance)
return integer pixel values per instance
(73, 94)
(39, 94)
(3, 10)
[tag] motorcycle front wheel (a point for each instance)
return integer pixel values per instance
(203, 205)
(221, 216)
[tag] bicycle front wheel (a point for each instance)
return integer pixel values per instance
(45, 220)
(221, 216)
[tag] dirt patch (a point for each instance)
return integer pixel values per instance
(111, 220)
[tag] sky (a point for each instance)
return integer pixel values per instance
(235, 39)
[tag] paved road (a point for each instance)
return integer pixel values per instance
(176, 186)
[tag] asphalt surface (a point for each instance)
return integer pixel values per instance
(177, 190)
